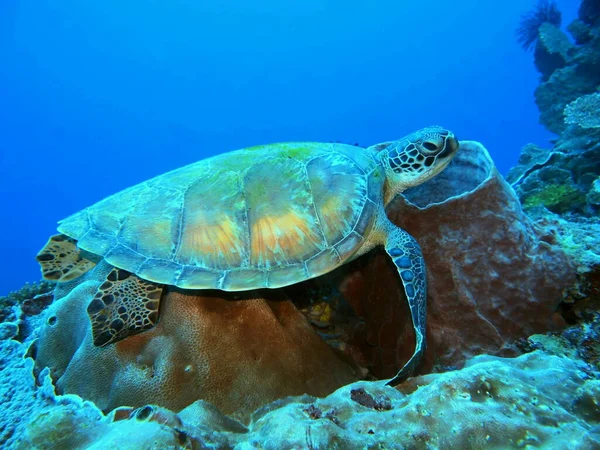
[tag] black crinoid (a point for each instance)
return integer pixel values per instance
(544, 11)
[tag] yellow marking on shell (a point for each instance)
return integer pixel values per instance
(283, 225)
(277, 240)
(333, 220)
(217, 241)
(214, 233)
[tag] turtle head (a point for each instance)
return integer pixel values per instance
(417, 157)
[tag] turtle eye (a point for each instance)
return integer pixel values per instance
(430, 146)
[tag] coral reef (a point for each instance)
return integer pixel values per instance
(593, 195)
(542, 399)
(34, 297)
(563, 86)
(581, 341)
(480, 301)
(558, 198)
(584, 112)
(579, 238)
(546, 398)
(560, 180)
(559, 187)
(568, 72)
(237, 351)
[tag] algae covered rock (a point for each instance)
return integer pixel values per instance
(537, 400)
(558, 198)
(561, 179)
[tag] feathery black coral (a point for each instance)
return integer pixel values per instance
(544, 11)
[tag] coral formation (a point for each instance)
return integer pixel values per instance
(493, 276)
(585, 111)
(562, 179)
(568, 71)
(545, 11)
(593, 195)
(33, 296)
(547, 398)
(238, 351)
(563, 86)
(538, 400)
(456, 218)
(559, 189)
(558, 198)
(552, 51)
(544, 399)
(589, 11)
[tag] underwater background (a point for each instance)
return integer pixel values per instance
(98, 96)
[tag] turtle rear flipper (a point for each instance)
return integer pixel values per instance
(123, 305)
(61, 260)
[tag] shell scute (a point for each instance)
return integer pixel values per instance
(283, 226)
(214, 229)
(339, 190)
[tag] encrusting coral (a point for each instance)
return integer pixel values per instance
(584, 112)
(537, 400)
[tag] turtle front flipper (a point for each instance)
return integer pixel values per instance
(408, 258)
(123, 305)
(61, 260)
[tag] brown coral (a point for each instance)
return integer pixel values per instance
(236, 354)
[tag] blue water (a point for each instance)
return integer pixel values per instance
(97, 96)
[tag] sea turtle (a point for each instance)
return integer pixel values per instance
(260, 217)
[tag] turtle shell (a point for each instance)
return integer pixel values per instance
(265, 216)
